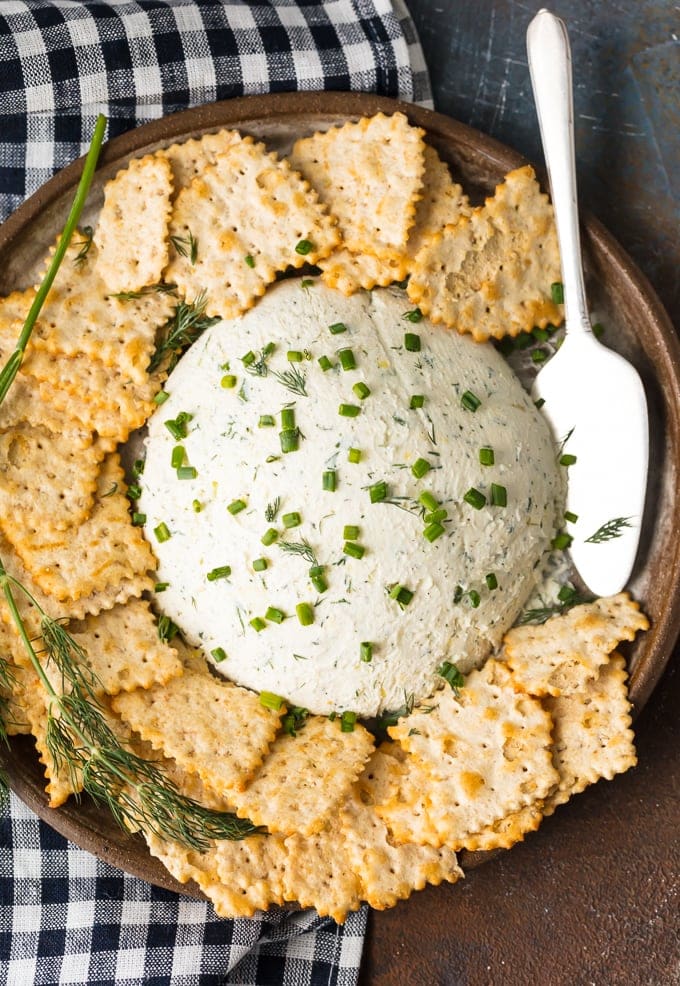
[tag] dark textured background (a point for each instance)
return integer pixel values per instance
(594, 896)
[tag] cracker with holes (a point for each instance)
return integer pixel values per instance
(319, 873)
(505, 832)
(486, 750)
(325, 762)
(211, 728)
(442, 204)
(490, 273)
(405, 807)
(189, 159)
(563, 654)
(247, 217)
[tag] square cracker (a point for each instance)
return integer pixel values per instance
(318, 872)
(210, 727)
(486, 750)
(190, 158)
(247, 204)
(324, 763)
(561, 655)
(132, 228)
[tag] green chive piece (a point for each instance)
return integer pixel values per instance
(294, 356)
(236, 506)
(337, 327)
(499, 495)
(412, 341)
(470, 401)
(161, 397)
(353, 549)
(540, 335)
(292, 519)
(269, 349)
(491, 581)
(486, 456)
(266, 421)
(566, 594)
(348, 722)
(187, 472)
(567, 460)
(161, 586)
(304, 247)
(272, 458)
(328, 480)
(162, 533)
(177, 432)
(269, 700)
(561, 541)
(420, 467)
(249, 358)
(138, 468)
(433, 531)
(274, 615)
(260, 564)
(316, 574)
(134, 491)
(572, 518)
(228, 381)
(249, 260)
(413, 316)
(350, 532)
(401, 595)
(218, 654)
(288, 418)
(325, 363)
(347, 360)
(177, 456)
(269, 536)
(305, 614)
(475, 498)
(428, 500)
(366, 651)
(557, 292)
(417, 400)
(378, 492)
(539, 403)
(458, 594)
(223, 572)
(450, 673)
(436, 516)
(354, 455)
(290, 440)
(349, 410)
(361, 390)
(474, 598)
(257, 623)
(197, 506)
(138, 520)
(598, 330)
(539, 355)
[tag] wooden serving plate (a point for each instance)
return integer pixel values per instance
(637, 326)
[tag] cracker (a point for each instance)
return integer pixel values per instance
(369, 174)
(486, 750)
(505, 832)
(561, 655)
(16, 683)
(324, 762)
(442, 204)
(62, 780)
(405, 809)
(132, 228)
(248, 204)
(490, 273)
(106, 551)
(189, 159)
(592, 737)
(210, 727)
(349, 272)
(318, 873)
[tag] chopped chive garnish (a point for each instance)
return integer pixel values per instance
(412, 341)
(307, 283)
(458, 594)
(378, 492)
(161, 586)
(354, 455)
(249, 358)
(470, 401)
(353, 549)
(598, 330)
(450, 673)
(557, 292)
(305, 614)
(572, 518)
(162, 533)
(288, 418)
(249, 260)
(361, 390)
(236, 506)
(474, 598)
(187, 472)
(269, 536)
(328, 480)
(266, 421)
(294, 356)
(222, 572)
(539, 355)
(269, 700)
(413, 316)
(337, 327)
(349, 410)
(417, 400)
(348, 722)
(138, 468)
(161, 397)
(561, 541)
(316, 575)
(177, 456)
(257, 623)
(176, 430)
(134, 491)
(428, 500)
(304, 247)
(325, 363)
(366, 651)
(197, 506)
(350, 532)
(401, 595)
(347, 360)
(499, 495)
(433, 531)
(138, 520)
(491, 581)
(436, 516)
(218, 654)
(290, 440)
(274, 615)
(540, 335)
(292, 519)
(567, 460)
(486, 456)
(260, 564)
(420, 467)
(228, 381)
(475, 498)
(567, 594)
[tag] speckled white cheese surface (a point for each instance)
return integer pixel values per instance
(320, 666)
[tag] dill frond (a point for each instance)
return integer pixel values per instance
(293, 379)
(301, 548)
(610, 530)
(187, 324)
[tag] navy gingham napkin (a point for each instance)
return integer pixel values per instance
(65, 916)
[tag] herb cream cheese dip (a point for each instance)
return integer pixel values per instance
(342, 496)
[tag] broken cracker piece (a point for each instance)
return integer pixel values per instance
(442, 204)
(189, 159)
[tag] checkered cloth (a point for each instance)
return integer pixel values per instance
(66, 917)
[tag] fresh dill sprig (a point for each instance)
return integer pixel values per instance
(612, 529)
(184, 328)
(567, 598)
(149, 289)
(561, 445)
(85, 243)
(293, 379)
(186, 246)
(259, 368)
(301, 548)
(272, 509)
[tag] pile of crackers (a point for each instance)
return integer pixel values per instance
(344, 819)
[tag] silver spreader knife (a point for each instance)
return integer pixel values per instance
(591, 394)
